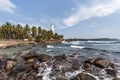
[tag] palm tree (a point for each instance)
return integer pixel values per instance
(40, 31)
(34, 31)
(27, 31)
(18, 31)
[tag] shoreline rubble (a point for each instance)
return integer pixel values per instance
(33, 66)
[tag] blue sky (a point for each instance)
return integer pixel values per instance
(72, 18)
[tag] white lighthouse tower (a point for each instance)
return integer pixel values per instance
(52, 27)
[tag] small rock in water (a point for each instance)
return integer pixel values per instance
(9, 65)
(3, 63)
(44, 57)
(91, 61)
(102, 63)
(111, 72)
(99, 62)
(84, 76)
(116, 79)
(17, 53)
(30, 55)
(87, 67)
(61, 57)
(3, 76)
(2, 56)
(76, 64)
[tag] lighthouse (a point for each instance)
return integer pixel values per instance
(52, 27)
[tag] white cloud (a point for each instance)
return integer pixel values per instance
(99, 9)
(7, 5)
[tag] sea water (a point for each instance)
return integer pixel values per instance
(105, 49)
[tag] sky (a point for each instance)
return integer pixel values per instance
(72, 18)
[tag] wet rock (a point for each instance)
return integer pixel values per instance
(62, 65)
(21, 76)
(61, 57)
(3, 63)
(99, 62)
(81, 58)
(9, 65)
(87, 67)
(91, 61)
(111, 72)
(84, 76)
(3, 56)
(59, 78)
(73, 55)
(19, 68)
(31, 76)
(3, 76)
(31, 60)
(76, 64)
(30, 55)
(38, 77)
(49, 63)
(116, 79)
(17, 53)
(114, 66)
(102, 63)
(36, 67)
(44, 57)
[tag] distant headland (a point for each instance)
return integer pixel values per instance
(94, 39)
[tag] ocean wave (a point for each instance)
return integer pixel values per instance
(90, 42)
(50, 46)
(80, 47)
(64, 42)
(49, 50)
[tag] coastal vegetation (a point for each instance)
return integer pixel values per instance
(9, 31)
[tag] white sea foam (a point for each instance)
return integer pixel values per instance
(50, 46)
(72, 74)
(80, 47)
(45, 71)
(64, 42)
(48, 50)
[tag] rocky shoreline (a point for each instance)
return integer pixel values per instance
(33, 66)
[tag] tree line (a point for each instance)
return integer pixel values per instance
(10, 31)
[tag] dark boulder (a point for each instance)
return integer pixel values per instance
(3, 76)
(116, 79)
(111, 72)
(19, 68)
(3, 63)
(30, 55)
(91, 61)
(2, 56)
(9, 65)
(76, 64)
(114, 66)
(84, 76)
(87, 67)
(44, 57)
(61, 57)
(17, 53)
(21, 76)
(99, 62)
(62, 66)
(102, 63)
